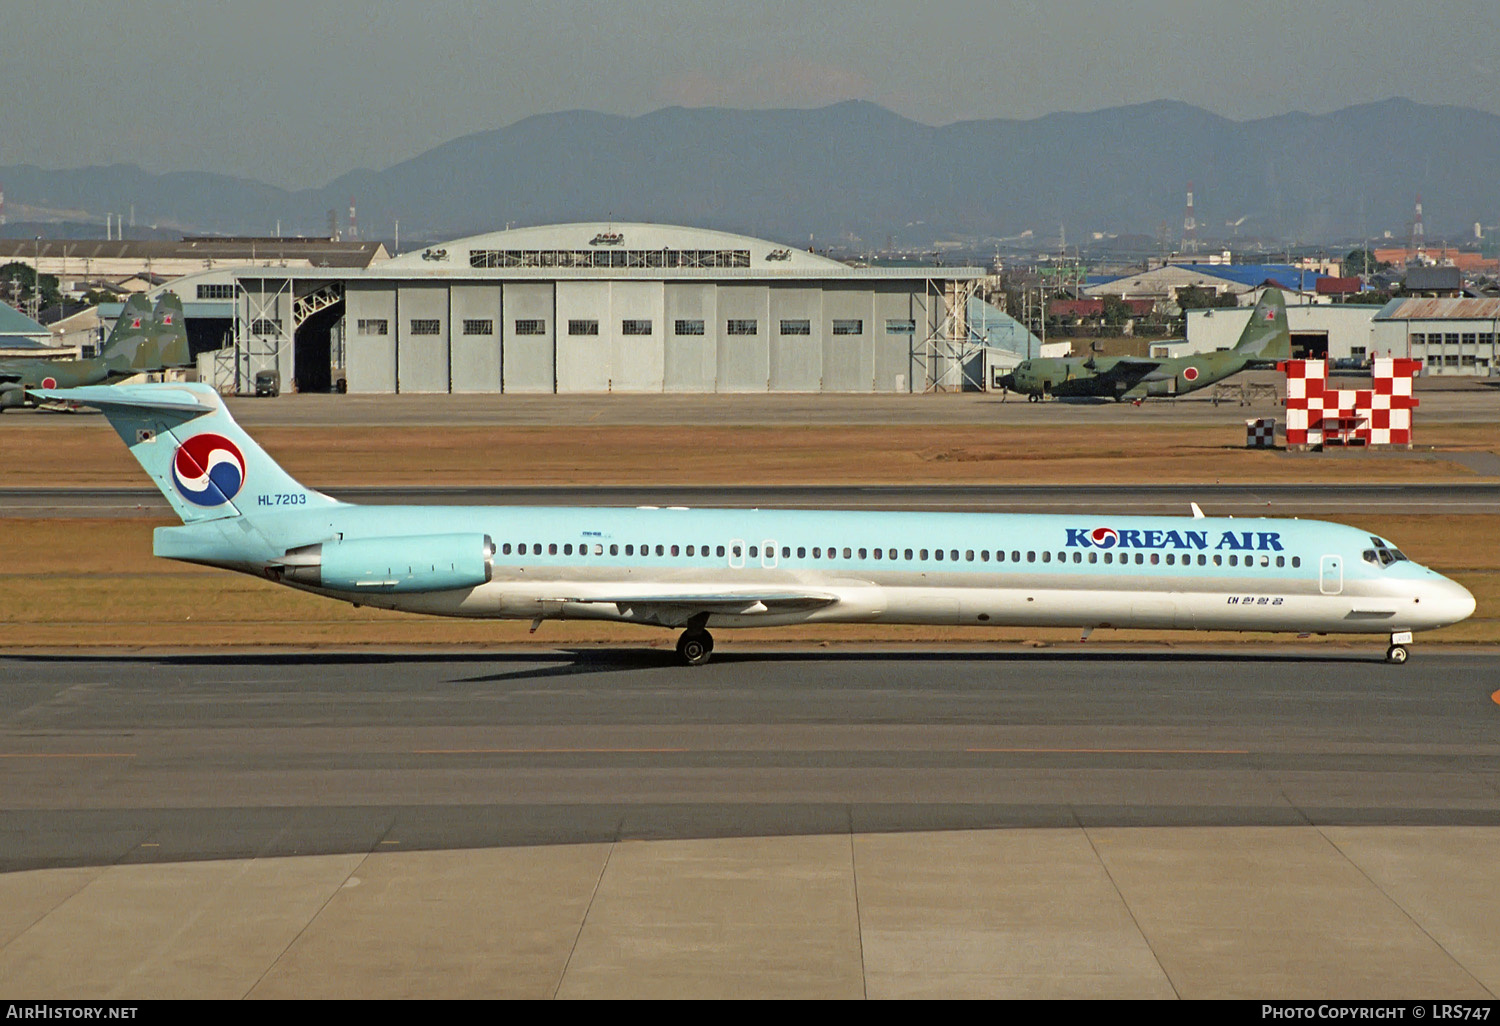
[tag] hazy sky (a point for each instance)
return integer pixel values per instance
(295, 93)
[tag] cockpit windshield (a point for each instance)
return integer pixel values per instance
(1383, 555)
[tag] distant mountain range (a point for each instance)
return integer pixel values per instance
(855, 171)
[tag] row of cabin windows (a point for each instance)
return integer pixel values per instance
(938, 555)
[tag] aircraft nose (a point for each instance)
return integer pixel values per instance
(1008, 381)
(1447, 602)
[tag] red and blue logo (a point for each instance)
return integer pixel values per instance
(1104, 537)
(208, 470)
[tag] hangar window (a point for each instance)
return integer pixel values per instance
(373, 326)
(583, 327)
(848, 327)
(796, 327)
(531, 327)
(480, 327)
(1418, 339)
(426, 327)
(215, 291)
(747, 326)
(265, 326)
(689, 328)
(635, 327)
(896, 326)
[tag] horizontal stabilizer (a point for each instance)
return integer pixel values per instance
(148, 397)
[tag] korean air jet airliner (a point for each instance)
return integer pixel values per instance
(695, 569)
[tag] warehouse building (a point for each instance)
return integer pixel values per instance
(1449, 336)
(597, 308)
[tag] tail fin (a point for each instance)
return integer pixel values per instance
(131, 346)
(169, 331)
(203, 462)
(1267, 337)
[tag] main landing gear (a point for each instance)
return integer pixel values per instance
(695, 646)
(1397, 653)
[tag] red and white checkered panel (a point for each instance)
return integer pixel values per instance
(1380, 415)
(1260, 433)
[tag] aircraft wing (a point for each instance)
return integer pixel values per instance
(1130, 369)
(687, 601)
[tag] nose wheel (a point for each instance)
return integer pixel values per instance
(695, 647)
(1397, 653)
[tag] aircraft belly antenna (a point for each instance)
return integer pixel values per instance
(1197, 513)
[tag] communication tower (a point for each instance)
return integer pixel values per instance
(1189, 225)
(353, 222)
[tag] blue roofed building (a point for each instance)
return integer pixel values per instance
(1245, 282)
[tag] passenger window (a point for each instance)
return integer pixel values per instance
(1155, 559)
(923, 554)
(1015, 557)
(614, 550)
(1046, 557)
(817, 552)
(1234, 560)
(755, 552)
(969, 556)
(1078, 557)
(720, 551)
(938, 555)
(1265, 560)
(801, 552)
(984, 555)
(690, 550)
(675, 550)
(1093, 557)
(908, 554)
(786, 552)
(552, 549)
(999, 555)
(1218, 560)
(630, 550)
(1031, 557)
(661, 550)
(953, 555)
(505, 549)
(1171, 559)
(879, 553)
(1281, 561)
(1109, 557)
(891, 554)
(1202, 559)
(1296, 561)
(847, 554)
(1139, 559)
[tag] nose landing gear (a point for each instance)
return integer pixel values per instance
(1397, 653)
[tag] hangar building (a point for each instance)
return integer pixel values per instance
(597, 308)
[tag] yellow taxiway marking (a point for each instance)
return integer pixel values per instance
(67, 755)
(1113, 751)
(548, 751)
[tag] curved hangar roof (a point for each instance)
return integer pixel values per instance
(603, 245)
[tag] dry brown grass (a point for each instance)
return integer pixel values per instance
(90, 456)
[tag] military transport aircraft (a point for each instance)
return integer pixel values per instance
(694, 569)
(143, 340)
(1264, 342)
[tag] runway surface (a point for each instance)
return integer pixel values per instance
(1453, 400)
(156, 758)
(1215, 499)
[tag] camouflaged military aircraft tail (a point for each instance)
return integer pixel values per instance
(143, 340)
(1267, 338)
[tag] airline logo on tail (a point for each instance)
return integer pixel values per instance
(208, 470)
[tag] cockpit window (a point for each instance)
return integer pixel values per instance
(1382, 554)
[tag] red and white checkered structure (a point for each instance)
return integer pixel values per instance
(1319, 415)
(1260, 433)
